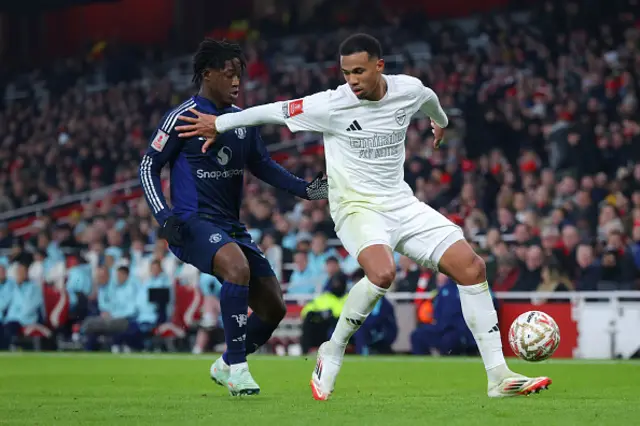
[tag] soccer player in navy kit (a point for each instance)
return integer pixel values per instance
(203, 227)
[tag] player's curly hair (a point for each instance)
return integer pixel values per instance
(213, 54)
(361, 42)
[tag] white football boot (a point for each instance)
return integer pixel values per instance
(220, 372)
(323, 378)
(241, 382)
(517, 385)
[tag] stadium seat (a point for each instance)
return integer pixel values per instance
(56, 306)
(186, 314)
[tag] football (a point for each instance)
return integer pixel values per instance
(534, 336)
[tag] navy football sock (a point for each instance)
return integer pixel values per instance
(234, 303)
(258, 333)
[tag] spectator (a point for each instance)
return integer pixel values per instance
(566, 255)
(408, 275)
(6, 294)
(531, 272)
(319, 253)
(273, 252)
(25, 307)
(304, 280)
(448, 334)
(589, 271)
(320, 316)
(79, 287)
(507, 274)
(117, 306)
(150, 310)
(379, 330)
(211, 318)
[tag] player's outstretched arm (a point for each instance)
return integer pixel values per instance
(310, 113)
(432, 108)
(267, 170)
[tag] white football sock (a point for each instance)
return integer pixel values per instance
(482, 319)
(360, 302)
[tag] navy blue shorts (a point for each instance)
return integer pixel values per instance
(203, 238)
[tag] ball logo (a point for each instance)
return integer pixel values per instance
(215, 238)
(241, 132)
(224, 155)
(401, 115)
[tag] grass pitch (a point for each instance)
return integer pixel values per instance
(104, 389)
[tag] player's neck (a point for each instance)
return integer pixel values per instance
(208, 96)
(380, 91)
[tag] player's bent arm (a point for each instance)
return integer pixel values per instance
(432, 108)
(162, 149)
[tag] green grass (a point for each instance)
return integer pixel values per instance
(81, 389)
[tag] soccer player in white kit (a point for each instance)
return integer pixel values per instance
(364, 124)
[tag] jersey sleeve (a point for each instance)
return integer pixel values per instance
(267, 170)
(311, 113)
(430, 105)
(163, 148)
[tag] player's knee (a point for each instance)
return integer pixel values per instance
(238, 273)
(382, 276)
(475, 272)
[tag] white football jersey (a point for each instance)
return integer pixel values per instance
(364, 140)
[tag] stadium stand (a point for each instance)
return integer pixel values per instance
(541, 166)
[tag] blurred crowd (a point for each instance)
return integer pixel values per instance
(541, 165)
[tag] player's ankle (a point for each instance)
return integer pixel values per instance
(337, 347)
(497, 373)
(239, 366)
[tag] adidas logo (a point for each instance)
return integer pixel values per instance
(354, 126)
(494, 329)
(355, 322)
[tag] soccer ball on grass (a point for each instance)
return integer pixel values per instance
(534, 336)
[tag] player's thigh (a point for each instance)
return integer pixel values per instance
(210, 249)
(361, 229)
(425, 235)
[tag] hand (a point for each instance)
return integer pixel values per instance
(438, 133)
(203, 125)
(318, 189)
(172, 231)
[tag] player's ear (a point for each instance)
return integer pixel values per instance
(380, 65)
(206, 74)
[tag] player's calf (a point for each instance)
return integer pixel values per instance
(232, 266)
(464, 266)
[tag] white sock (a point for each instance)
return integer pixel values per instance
(482, 319)
(360, 302)
(241, 366)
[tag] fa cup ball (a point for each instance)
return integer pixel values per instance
(534, 336)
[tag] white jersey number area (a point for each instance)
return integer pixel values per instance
(364, 141)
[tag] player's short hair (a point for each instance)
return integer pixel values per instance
(361, 42)
(214, 54)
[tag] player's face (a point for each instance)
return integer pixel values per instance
(224, 84)
(362, 72)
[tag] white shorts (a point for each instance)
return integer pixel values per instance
(416, 231)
